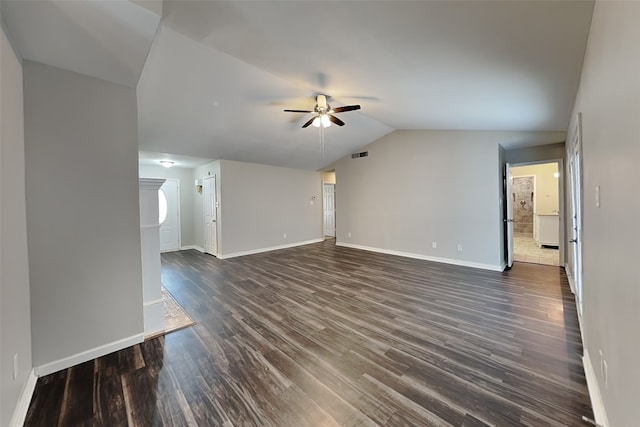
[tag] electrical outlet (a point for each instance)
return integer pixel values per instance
(284, 236)
(15, 366)
(349, 234)
(459, 248)
(434, 245)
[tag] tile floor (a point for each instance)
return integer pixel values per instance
(525, 249)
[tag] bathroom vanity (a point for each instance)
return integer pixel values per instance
(546, 229)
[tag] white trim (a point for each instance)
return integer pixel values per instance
(599, 412)
(150, 227)
(153, 312)
(272, 248)
(459, 262)
(20, 412)
(153, 301)
(170, 250)
(572, 286)
(150, 183)
(93, 353)
(572, 283)
(197, 248)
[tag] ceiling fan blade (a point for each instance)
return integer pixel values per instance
(298, 111)
(346, 108)
(308, 123)
(335, 120)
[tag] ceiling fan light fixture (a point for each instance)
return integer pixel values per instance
(321, 120)
(324, 114)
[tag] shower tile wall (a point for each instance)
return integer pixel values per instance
(522, 198)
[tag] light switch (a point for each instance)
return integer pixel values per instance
(597, 196)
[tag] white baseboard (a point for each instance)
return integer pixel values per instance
(459, 262)
(197, 248)
(572, 286)
(153, 317)
(272, 248)
(20, 413)
(599, 412)
(76, 359)
(572, 283)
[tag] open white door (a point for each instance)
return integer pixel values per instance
(329, 205)
(508, 218)
(210, 224)
(169, 204)
(575, 178)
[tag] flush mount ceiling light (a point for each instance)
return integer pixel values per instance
(166, 163)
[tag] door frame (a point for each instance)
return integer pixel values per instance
(179, 219)
(561, 206)
(215, 212)
(324, 230)
(508, 216)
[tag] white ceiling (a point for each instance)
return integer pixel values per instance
(219, 73)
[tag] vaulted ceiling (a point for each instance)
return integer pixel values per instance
(214, 76)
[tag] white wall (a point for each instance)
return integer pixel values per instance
(187, 196)
(259, 204)
(15, 319)
(82, 215)
(609, 100)
(420, 176)
(417, 187)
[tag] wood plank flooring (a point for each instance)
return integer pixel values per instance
(327, 336)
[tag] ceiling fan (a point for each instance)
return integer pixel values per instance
(324, 114)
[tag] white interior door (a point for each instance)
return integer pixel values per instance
(509, 214)
(169, 204)
(329, 203)
(210, 220)
(576, 223)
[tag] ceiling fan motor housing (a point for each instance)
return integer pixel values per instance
(321, 104)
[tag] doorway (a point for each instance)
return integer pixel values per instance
(329, 209)
(210, 216)
(329, 204)
(535, 212)
(169, 215)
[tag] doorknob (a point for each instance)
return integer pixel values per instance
(573, 241)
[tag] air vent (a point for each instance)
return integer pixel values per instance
(358, 155)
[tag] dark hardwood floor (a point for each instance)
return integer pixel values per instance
(321, 335)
